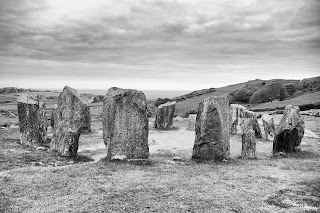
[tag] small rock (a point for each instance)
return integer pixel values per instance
(38, 164)
(14, 126)
(282, 153)
(119, 158)
(170, 162)
(303, 143)
(71, 162)
(176, 158)
(41, 148)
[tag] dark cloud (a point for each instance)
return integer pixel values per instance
(161, 39)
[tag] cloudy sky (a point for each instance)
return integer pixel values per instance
(156, 44)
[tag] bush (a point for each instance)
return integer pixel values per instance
(268, 93)
(97, 99)
(291, 89)
(242, 95)
(160, 101)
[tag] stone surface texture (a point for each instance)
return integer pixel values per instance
(71, 118)
(164, 116)
(237, 114)
(212, 141)
(255, 124)
(248, 139)
(32, 120)
(290, 130)
(268, 126)
(125, 123)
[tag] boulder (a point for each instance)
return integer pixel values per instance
(71, 118)
(212, 129)
(255, 124)
(125, 123)
(32, 120)
(237, 114)
(248, 139)
(268, 126)
(164, 116)
(290, 130)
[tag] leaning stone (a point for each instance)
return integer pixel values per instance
(72, 117)
(125, 123)
(212, 129)
(248, 139)
(164, 116)
(290, 130)
(268, 125)
(255, 124)
(237, 115)
(32, 120)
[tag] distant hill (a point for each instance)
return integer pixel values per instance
(254, 93)
(10, 90)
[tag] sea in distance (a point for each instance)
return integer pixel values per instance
(150, 94)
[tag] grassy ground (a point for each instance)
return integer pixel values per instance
(268, 184)
(300, 100)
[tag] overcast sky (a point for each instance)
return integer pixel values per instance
(156, 44)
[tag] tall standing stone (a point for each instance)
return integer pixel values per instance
(248, 139)
(212, 129)
(290, 130)
(32, 120)
(268, 125)
(237, 114)
(71, 118)
(255, 124)
(164, 116)
(125, 123)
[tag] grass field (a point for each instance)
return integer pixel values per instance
(268, 184)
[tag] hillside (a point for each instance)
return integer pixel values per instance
(242, 93)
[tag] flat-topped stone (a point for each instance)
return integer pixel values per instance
(248, 139)
(32, 120)
(212, 129)
(125, 123)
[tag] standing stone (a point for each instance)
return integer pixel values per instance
(212, 129)
(248, 139)
(125, 123)
(164, 116)
(255, 124)
(32, 120)
(290, 130)
(71, 118)
(268, 125)
(237, 114)
(191, 122)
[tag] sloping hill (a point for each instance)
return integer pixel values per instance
(306, 101)
(298, 92)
